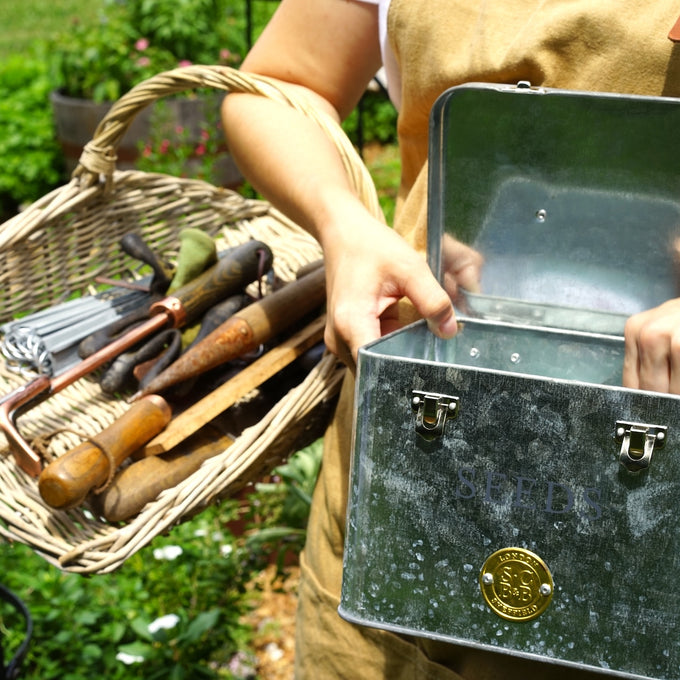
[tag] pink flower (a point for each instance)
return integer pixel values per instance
(200, 150)
(179, 130)
(143, 61)
(165, 145)
(184, 63)
(147, 151)
(205, 135)
(225, 54)
(141, 44)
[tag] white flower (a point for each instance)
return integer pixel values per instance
(128, 659)
(169, 552)
(163, 623)
(273, 651)
(226, 549)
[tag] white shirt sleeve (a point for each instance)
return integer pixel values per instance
(392, 77)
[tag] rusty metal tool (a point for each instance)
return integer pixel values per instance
(219, 400)
(246, 330)
(228, 276)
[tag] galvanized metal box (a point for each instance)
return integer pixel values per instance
(506, 492)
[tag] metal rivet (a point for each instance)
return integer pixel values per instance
(487, 579)
(545, 589)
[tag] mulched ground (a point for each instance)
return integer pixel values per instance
(273, 620)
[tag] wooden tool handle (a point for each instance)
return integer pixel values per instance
(230, 275)
(142, 481)
(66, 481)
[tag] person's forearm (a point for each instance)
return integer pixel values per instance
(291, 161)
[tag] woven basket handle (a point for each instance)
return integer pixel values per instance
(99, 155)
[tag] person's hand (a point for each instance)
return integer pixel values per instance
(461, 266)
(369, 268)
(652, 349)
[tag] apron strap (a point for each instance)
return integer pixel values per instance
(674, 33)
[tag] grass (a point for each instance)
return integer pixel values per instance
(384, 164)
(26, 22)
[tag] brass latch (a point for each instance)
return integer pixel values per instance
(432, 411)
(638, 442)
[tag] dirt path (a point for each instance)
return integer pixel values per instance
(273, 620)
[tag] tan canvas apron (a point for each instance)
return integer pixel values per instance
(574, 44)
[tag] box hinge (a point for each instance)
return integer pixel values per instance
(432, 411)
(638, 442)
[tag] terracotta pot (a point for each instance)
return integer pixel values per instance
(76, 121)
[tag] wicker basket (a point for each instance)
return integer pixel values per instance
(53, 250)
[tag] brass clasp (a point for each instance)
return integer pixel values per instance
(432, 411)
(638, 442)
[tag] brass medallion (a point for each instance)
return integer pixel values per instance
(516, 584)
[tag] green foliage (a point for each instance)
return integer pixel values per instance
(280, 508)
(384, 164)
(31, 158)
(194, 30)
(374, 120)
(172, 611)
(26, 22)
(135, 39)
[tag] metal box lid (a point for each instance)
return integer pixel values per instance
(572, 198)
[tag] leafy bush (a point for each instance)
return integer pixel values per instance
(172, 611)
(279, 508)
(374, 120)
(136, 39)
(31, 157)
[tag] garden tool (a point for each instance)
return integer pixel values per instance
(251, 327)
(45, 342)
(213, 318)
(67, 480)
(133, 244)
(227, 394)
(155, 354)
(163, 347)
(141, 481)
(230, 275)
